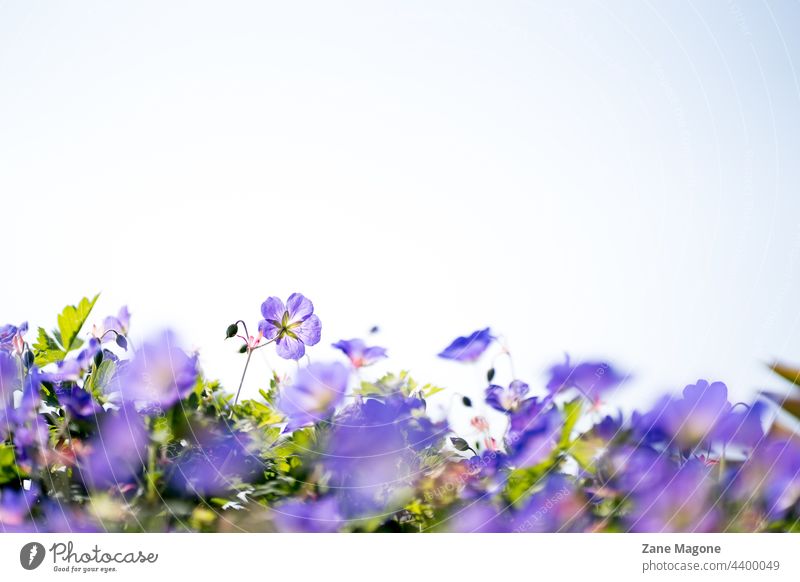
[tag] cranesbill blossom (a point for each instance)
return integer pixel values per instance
(684, 501)
(591, 379)
(78, 402)
(688, 421)
(292, 327)
(117, 453)
(314, 394)
(359, 353)
(535, 444)
(742, 426)
(468, 348)
(119, 323)
(506, 399)
(214, 466)
(557, 507)
(16, 506)
(480, 516)
(369, 459)
(160, 373)
(11, 337)
(311, 516)
(770, 477)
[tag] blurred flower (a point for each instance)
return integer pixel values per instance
(468, 348)
(214, 466)
(557, 507)
(590, 378)
(698, 418)
(477, 517)
(160, 373)
(681, 502)
(506, 399)
(10, 374)
(11, 337)
(313, 516)
(16, 506)
(742, 427)
(359, 353)
(119, 323)
(117, 453)
(370, 459)
(314, 394)
(78, 402)
(770, 477)
(293, 326)
(536, 442)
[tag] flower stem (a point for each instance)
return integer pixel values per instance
(241, 382)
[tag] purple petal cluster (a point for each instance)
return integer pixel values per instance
(292, 326)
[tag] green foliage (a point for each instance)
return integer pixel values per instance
(49, 349)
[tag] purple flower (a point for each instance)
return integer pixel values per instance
(506, 399)
(214, 466)
(121, 323)
(314, 394)
(78, 402)
(11, 337)
(117, 453)
(317, 516)
(557, 507)
(742, 427)
(160, 373)
(16, 507)
(468, 348)
(477, 517)
(538, 440)
(359, 353)
(590, 378)
(293, 326)
(681, 502)
(633, 469)
(10, 371)
(770, 477)
(699, 417)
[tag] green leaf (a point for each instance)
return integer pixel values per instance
(71, 321)
(572, 412)
(47, 349)
(429, 390)
(102, 377)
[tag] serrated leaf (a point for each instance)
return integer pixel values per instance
(46, 349)
(71, 320)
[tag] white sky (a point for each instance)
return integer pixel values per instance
(614, 179)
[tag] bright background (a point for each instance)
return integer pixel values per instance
(614, 179)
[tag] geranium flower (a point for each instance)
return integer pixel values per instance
(681, 502)
(590, 378)
(359, 353)
(11, 337)
(160, 373)
(78, 402)
(314, 394)
(312, 516)
(214, 466)
(117, 453)
(506, 399)
(292, 327)
(468, 348)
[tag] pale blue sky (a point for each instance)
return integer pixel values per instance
(613, 179)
